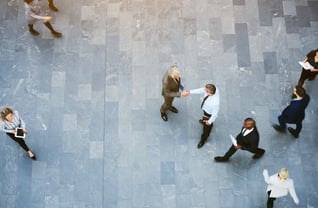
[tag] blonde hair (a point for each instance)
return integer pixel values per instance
(173, 71)
(283, 174)
(4, 112)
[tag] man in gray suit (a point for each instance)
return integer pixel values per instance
(171, 84)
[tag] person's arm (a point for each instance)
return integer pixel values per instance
(215, 111)
(292, 192)
(197, 91)
(266, 176)
(2, 127)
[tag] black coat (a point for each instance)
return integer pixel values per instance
(250, 141)
(295, 112)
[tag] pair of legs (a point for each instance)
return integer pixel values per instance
(306, 74)
(49, 26)
(282, 123)
(167, 105)
(22, 143)
(206, 133)
(257, 152)
(270, 201)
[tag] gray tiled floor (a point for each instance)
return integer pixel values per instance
(91, 102)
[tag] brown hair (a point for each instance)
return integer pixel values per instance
(300, 91)
(4, 112)
(211, 88)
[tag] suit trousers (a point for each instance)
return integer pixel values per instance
(167, 104)
(270, 201)
(206, 132)
(306, 74)
(20, 141)
(232, 150)
(282, 122)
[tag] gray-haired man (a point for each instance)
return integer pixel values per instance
(171, 83)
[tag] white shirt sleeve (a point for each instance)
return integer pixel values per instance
(292, 192)
(197, 91)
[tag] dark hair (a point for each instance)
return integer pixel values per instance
(250, 119)
(28, 1)
(300, 91)
(211, 88)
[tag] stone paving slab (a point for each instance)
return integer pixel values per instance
(91, 102)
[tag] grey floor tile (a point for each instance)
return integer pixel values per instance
(91, 102)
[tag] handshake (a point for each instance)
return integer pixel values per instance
(185, 93)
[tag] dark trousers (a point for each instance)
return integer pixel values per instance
(306, 74)
(232, 150)
(20, 141)
(167, 104)
(206, 132)
(270, 201)
(282, 122)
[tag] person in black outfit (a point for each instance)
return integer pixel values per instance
(294, 113)
(312, 58)
(247, 139)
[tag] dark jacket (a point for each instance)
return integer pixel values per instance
(295, 112)
(170, 87)
(250, 141)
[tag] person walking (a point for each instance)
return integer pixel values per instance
(278, 186)
(310, 74)
(247, 139)
(33, 15)
(294, 113)
(10, 122)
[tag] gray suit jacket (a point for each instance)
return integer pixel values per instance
(170, 87)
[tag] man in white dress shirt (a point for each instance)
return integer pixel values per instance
(210, 106)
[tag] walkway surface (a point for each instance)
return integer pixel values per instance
(91, 103)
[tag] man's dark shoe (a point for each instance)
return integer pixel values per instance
(173, 109)
(200, 145)
(257, 156)
(293, 132)
(278, 128)
(164, 116)
(221, 159)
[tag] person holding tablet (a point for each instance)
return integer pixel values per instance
(14, 126)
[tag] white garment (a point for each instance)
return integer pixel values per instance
(211, 104)
(280, 188)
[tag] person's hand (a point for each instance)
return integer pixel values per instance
(313, 70)
(238, 146)
(47, 18)
(25, 131)
(185, 93)
(207, 122)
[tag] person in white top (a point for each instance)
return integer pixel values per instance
(33, 15)
(10, 121)
(279, 185)
(210, 106)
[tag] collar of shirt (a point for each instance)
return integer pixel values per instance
(295, 99)
(247, 131)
